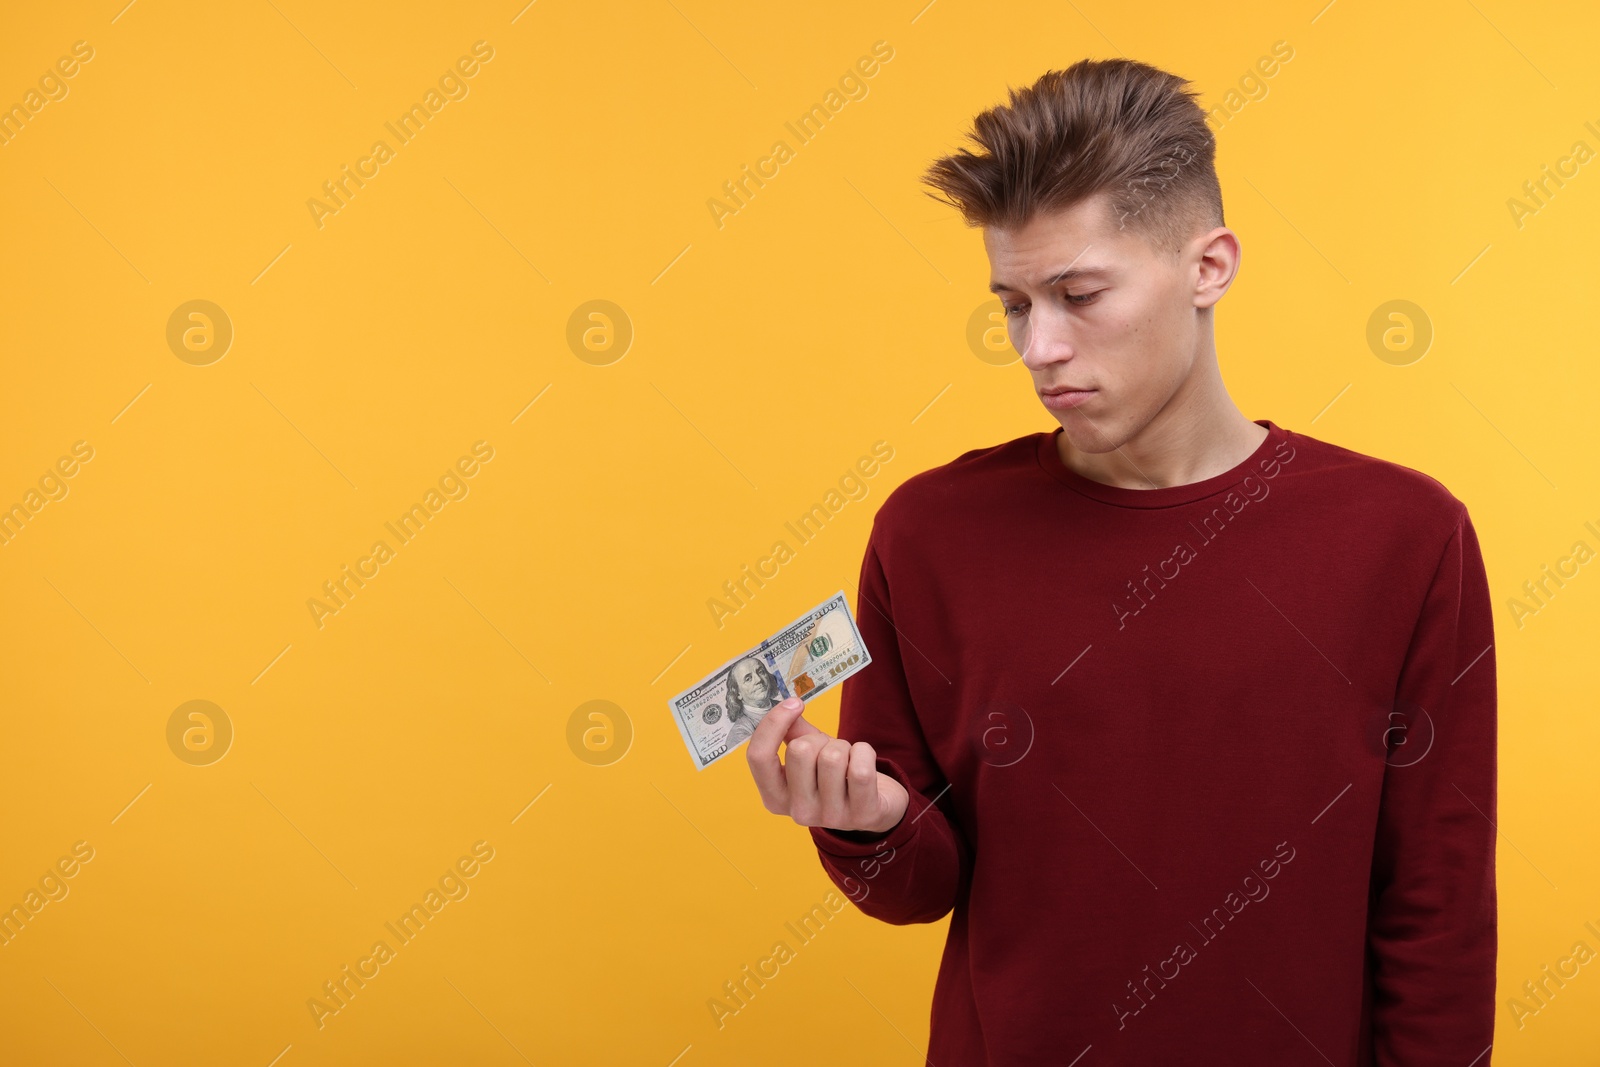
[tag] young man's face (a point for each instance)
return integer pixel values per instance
(1094, 308)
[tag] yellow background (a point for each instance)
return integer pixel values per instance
(768, 354)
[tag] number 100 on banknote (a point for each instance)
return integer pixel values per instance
(808, 657)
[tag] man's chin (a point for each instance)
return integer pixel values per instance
(1093, 438)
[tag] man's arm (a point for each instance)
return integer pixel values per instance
(1432, 924)
(913, 872)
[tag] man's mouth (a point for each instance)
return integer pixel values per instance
(1062, 397)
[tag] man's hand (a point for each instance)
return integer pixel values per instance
(826, 780)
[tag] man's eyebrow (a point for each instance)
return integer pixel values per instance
(1067, 274)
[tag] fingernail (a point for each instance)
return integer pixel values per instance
(791, 702)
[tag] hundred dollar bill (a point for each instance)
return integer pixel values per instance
(808, 657)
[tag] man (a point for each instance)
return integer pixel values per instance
(1239, 808)
(752, 692)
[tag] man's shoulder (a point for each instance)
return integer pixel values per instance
(1402, 515)
(965, 481)
(1374, 479)
(1364, 486)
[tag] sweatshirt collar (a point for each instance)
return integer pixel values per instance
(1165, 496)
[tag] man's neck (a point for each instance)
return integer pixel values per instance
(1191, 439)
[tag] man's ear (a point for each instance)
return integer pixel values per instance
(1218, 265)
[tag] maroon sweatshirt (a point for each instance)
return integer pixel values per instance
(1202, 774)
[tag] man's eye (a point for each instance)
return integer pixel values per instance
(1075, 299)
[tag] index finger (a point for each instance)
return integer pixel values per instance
(762, 751)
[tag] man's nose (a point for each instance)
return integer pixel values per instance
(1044, 339)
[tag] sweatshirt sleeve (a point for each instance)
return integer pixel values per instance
(914, 872)
(1432, 921)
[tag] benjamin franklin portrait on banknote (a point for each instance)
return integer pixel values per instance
(752, 692)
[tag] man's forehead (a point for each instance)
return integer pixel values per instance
(1010, 278)
(1061, 246)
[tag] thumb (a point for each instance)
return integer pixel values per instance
(792, 710)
